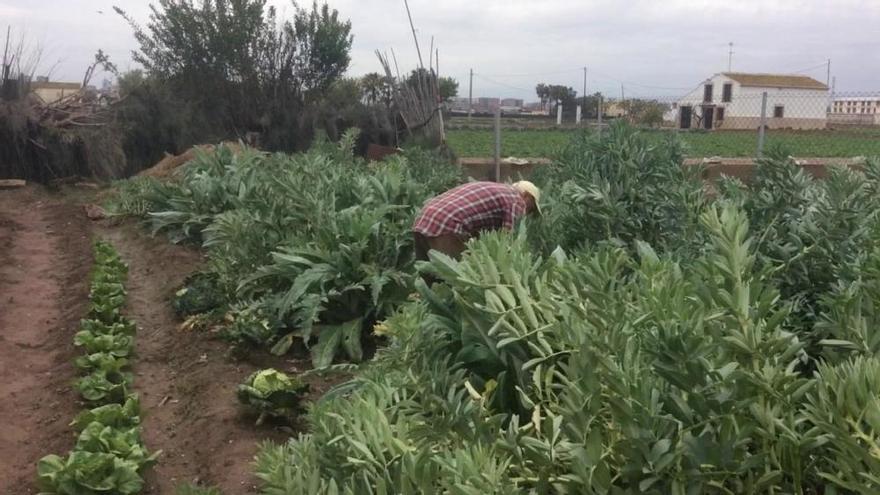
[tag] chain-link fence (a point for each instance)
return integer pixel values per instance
(724, 119)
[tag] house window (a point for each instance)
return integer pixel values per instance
(707, 93)
(726, 92)
(719, 113)
(778, 111)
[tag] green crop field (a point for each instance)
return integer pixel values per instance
(545, 143)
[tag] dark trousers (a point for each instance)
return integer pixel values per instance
(448, 244)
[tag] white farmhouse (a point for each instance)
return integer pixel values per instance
(732, 100)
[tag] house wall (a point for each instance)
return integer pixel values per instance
(802, 108)
(51, 95)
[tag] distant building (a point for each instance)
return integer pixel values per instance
(855, 110)
(51, 91)
(459, 105)
(732, 100)
(614, 109)
(535, 108)
(486, 105)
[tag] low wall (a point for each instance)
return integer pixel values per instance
(484, 168)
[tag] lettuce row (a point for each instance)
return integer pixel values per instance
(109, 453)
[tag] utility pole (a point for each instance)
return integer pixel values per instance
(763, 126)
(729, 56)
(415, 38)
(584, 109)
(497, 154)
(828, 74)
(471, 95)
(828, 85)
(440, 101)
(831, 98)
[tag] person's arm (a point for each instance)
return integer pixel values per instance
(515, 210)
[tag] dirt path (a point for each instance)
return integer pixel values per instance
(45, 256)
(185, 379)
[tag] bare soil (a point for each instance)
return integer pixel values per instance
(45, 257)
(186, 379)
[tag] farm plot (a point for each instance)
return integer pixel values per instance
(640, 337)
(547, 142)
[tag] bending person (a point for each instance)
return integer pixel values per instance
(447, 221)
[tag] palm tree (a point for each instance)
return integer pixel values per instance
(374, 88)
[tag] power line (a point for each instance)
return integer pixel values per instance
(537, 74)
(491, 81)
(603, 75)
(818, 66)
(631, 83)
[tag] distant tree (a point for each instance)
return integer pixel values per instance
(322, 43)
(645, 112)
(562, 95)
(237, 62)
(424, 78)
(543, 92)
(448, 88)
(375, 88)
(102, 60)
(591, 105)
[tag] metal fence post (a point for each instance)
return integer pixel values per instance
(498, 144)
(599, 114)
(763, 124)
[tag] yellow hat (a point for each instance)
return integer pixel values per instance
(530, 189)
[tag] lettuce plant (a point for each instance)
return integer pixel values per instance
(272, 393)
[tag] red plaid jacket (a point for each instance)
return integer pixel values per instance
(470, 208)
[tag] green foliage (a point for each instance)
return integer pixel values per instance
(845, 409)
(88, 473)
(134, 197)
(118, 345)
(607, 372)
(270, 392)
(101, 361)
(817, 236)
(301, 245)
(116, 415)
(200, 293)
(125, 443)
(102, 387)
(446, 87)
(555, 95)
(645, 112)
(619, 187)
(538, 142)
(639, 338)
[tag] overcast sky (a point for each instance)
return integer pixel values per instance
(652, 47)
